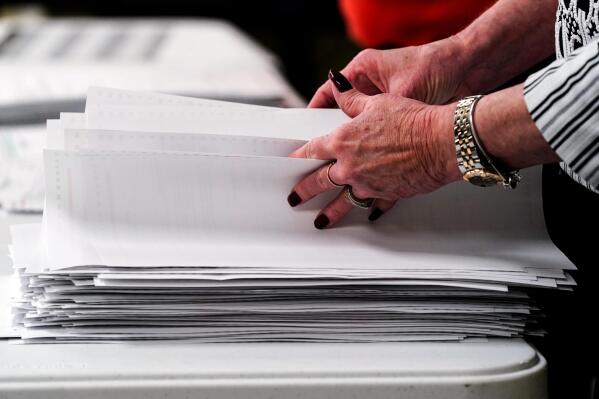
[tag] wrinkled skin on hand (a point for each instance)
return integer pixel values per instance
(433, 73)
(393, 148)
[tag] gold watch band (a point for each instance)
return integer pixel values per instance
(476, 167)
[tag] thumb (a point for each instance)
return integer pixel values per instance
(350, 100)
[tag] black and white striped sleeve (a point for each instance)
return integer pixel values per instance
(563, 100)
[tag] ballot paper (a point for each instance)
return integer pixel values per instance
(166, 218)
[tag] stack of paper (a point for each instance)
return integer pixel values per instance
(166, 218)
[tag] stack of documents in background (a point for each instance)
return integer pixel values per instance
(166, 218)
(46, 66)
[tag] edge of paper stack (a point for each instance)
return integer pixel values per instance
(166, 218)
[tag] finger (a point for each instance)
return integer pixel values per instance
(315, 183)
(317, 148)
(323, 97)
(379, 208)
(350, 100)
(333, 212)
(364, 84)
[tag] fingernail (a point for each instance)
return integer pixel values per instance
(375, 214)
(340, 81)
(294, 199)
(321, 221)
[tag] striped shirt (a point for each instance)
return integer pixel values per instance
(563, 98)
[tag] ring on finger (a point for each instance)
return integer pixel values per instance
(355, 201)
(329, 176)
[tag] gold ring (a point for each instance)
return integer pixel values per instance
(329, 176)
(355, 201)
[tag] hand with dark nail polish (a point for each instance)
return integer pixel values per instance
(375, 214)
(294, 199)
(321, 221)
(369, 155)
(340, 81)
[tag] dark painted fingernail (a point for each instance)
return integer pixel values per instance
(340, 81)
(375, 214)
(294, 199)
(321, 221)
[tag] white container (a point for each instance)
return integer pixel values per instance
(483, 370)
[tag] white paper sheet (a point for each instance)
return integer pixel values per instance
(206, 116)
(232, 223)
(98, 97)
(117, 140)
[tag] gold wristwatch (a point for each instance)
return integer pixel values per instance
(473, 162)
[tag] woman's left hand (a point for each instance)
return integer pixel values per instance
(393, 148)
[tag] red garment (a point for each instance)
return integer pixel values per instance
(394, 23)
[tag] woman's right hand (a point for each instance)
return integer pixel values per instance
(433, 73)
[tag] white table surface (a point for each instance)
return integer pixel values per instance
(484, 370)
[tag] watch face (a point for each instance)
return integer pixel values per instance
(482, 178)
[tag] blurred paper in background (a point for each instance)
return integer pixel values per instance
(47, 65)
